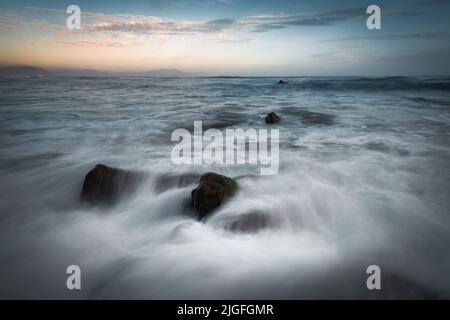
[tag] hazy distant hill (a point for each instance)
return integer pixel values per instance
(26, 71)
(156, 73)
(166, 73)
(70, 72)
(161, 73)
(23, 71)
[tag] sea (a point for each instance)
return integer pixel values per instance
(363, 180)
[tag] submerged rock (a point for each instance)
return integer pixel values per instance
(214, 189)
(169, 181)
(104, 185)
(272, 117)
(251, 222)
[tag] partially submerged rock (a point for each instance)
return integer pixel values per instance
(214, 189)
(251, 222)
(282, 82)
(272, 117)
(104, 185)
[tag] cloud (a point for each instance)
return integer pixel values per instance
(14, 22)
(98, 22)
(47, 10)
(155, 25)
(265, 23)
(261, 23)
(257, 23)
(61, 13)
(403, 36)
(92, 43)
(106, 42)
(222, 30)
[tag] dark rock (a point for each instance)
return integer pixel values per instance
(282, 82)
(272, 117)
(105, 186)
(214, 189)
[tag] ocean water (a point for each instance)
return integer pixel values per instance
(364, 179)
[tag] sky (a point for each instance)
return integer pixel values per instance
(231, 37)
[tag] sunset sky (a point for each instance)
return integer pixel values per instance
(231, 37)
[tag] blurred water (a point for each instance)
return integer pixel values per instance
(363, 180)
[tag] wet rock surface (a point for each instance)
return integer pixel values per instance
(105, 185)
(272, 117)
(213, 190)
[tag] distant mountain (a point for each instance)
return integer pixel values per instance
(160, 73)
(164, 73)
(23, 71)
(26, 71)
(71, 72)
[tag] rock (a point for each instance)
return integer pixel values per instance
(272, 117)
(282, 82)
(214, 189)
(105, 186)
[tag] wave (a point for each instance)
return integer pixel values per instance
(363, 180)
(372, 84)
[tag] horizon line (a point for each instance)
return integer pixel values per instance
(189, 74)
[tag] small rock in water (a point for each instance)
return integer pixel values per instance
(282, 82)
(104, 185)
(272, 118)
(213, 190)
